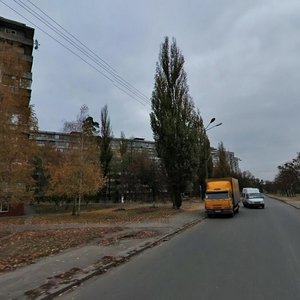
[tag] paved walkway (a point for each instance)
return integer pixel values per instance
(294, 203)
(50, 276)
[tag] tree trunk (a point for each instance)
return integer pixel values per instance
(178, 200)
(154, 196)
(173, 200)
(79, 205)
(74, 207)
(176, 197)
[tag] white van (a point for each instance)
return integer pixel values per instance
(252, 197)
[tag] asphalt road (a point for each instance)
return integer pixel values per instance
(255, 255)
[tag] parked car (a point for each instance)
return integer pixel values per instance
(252, 197)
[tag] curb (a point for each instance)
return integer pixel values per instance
(284, 201)
(95, 270)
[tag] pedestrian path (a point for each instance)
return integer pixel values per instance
(55, 274)
(294, 203)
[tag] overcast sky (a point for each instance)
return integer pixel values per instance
(242, 63)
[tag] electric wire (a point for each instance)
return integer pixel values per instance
(39, 17)
(116, 80)
(106, 67)
(70, 34)
(91, 51)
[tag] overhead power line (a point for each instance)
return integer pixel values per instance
(94, 56)
(79, 49)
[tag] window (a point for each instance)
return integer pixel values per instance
(10, 31)
(3, 206)
(217, 195)
(254, 195)
(25, 83)
(15, 119)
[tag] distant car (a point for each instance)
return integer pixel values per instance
(252, 197)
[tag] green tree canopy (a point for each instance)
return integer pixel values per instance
(222, 168)
(174, 121)
(106, 153)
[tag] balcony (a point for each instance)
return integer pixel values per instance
(16, 38)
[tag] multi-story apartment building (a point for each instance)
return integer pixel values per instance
(62, 141)
(233, 161)
(231, 158)
(136, 144)
(16, 46)
(16, 38)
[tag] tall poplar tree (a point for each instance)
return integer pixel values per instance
(174, 122)
(106, 153)
(222, 168)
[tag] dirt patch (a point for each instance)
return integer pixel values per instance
(52, 282)
(24, 248)
(24, 240)
(102, 216)
(141, 234)
(71, 277)
(4, 234)
(195, 205)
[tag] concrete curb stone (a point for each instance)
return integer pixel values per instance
(295, 204)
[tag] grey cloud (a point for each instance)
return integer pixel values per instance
(241, 57)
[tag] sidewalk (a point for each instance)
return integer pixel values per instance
(294, 203)
(53, 275)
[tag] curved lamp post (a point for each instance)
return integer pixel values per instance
(211, 121)
(208, 156)
(219, 124)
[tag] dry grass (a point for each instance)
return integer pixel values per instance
(21, 248)
(25, 239)
(193, 205)
(102, 216)
(117, 215)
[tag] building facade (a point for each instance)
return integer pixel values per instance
(16, 38)
(62, 141)
(231, 158)
(16, 46)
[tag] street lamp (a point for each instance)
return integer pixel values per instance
(219, 124)
(211, 121)
(208, 156)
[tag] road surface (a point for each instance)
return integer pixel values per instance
(255, 255)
